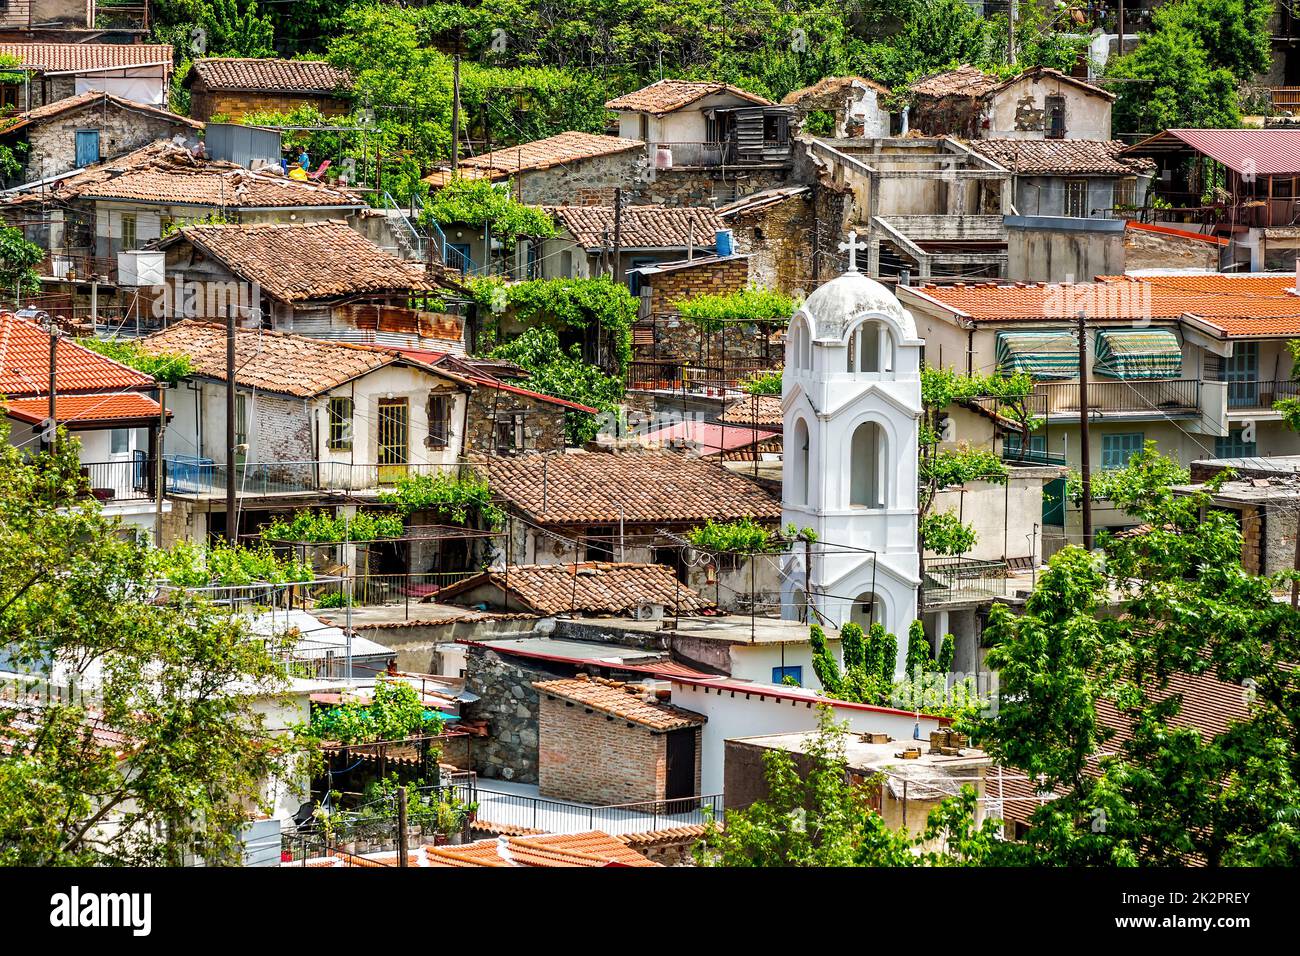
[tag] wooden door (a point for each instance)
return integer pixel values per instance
(681, 768)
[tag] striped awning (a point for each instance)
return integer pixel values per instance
(1138, 353)
(1041, 354)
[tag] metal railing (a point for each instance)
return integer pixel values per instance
(959, 580)
(1018, 455)
(1174, 396)
(708, 155)
(127, 480)
(190, 475)
(675, 375)
(381, 590)
(1260, 396)
(558, 816)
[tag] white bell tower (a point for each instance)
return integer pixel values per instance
(851, 395)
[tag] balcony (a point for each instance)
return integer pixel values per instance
(1158, 399)
(717, 379)
(1259, 396)
(962, 581)
(665, 156)
(115, 481)
(190, 476)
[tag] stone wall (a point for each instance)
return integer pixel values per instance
(585, 182)
(1146, 249)
(778, 241)
(632, 764)
(543, 428)
(711, 277)
(52, 144)
(206, 103)
(508, 702)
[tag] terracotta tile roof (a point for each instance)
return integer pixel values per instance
(1083, 157)
(1237, 283)
(597, 587)
(649, 839)
(1259, 309)
(93, 98)
(664, 96)
(25, 364)
(831, 84)
(555, 850)
(558, 150)
(963, 81)
(705, 438)
(165, 173)
(643, 227)
(759, 410)
(115, 406)
(269, 76)
(74, 57)
(644, 487)
(270, 361)
(624, 701)
(296, 262)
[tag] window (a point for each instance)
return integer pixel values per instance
(566, 264)
(509, 432)
(128, 232)
(1076, 198)
(439, 420)
(1035, 451)
(775, 129)
(800, 348)
(10, 97)
(1241, 372)
(1054, 106)
(779, 674)
(600, 544)
(119, 441)
(871, 349)
(1125, 193)
(866, 610)
(1283, 187)
(340, 418)
(1116, 450)
(1234, 447)
(799, 479)
(866, 472)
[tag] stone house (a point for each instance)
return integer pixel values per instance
(648, 235)
(232, 87)
(634, 505)
(649, 750)
(108, 408)
(853, 105)
(1262, 496)
(1040, 103)
(26, 15)
(139, 72)
(87, 128)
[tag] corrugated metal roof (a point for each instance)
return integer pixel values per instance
(1262, 152)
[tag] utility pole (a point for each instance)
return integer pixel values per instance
(232, 518)
(401, 828)
(1011, 32)
(1120, 50)
(618, 230)
(52, 442)
(160, 467)
(455, 110)
(1085, 457)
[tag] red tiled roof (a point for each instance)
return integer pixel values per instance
(75, 57)
(758, 410)
(247, 74)
(1257, 307)
(555, 150)
(644, 487)
(963, 81)
(466, 368)
(328, 259)
(664, 96)
(831, 84)
(115, 406)
(554, 850)
(595, 587)
(618, 699)
(711, 438)
(642, 227)
(1080, 157)
(25, 364)
(272, 361)
(649, 839)
(93, 98)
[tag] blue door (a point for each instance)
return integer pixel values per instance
(87, 147)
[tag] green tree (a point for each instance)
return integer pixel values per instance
(18, 260)
(164, 740)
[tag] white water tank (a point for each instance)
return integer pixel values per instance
(140, 268)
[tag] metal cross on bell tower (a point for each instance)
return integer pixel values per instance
(852, 247)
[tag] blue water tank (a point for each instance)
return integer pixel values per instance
(725, 243)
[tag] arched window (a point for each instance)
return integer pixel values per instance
(800, 345)
(799, 461)
(867, 467)
(866, 610)
(871, 348)
(801, 605)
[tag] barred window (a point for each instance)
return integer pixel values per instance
(439, 420)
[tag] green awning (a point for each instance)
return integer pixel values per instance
(1138, 353)
(1041, 354)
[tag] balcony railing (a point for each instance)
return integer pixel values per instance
(558, 816)
(711, 155)
(680, 376)
(1260, 396)
(129, 480)
(202, 477)
(961, 580)
(1171, 397)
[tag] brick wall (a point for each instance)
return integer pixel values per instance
(715, 278)
(543, 421)
(233, 105)
(279, 429)
(630, 765)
